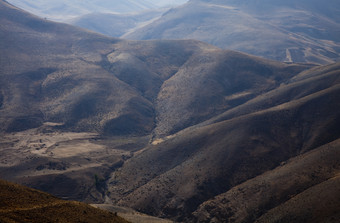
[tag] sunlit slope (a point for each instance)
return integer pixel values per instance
(22, 204)
(177, 174)
(292, 31)
(167, 127)
(54, 72)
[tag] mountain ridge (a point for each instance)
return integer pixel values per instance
(290, 31)
(167, 127)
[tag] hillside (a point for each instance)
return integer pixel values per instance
(87, 82)
(290, 31)
(22, 204)
(173, 128)
(293, 31)
(266, 132)
(305, 187)
(75, 104)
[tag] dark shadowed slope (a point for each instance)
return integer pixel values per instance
(175, 125)
(54, 72)
(88, 82)
(213, 81)
(57, 80)
(303, 189)
(22, 204)
(179, 173)
(292, 31)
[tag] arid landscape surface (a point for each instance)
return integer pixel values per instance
(21, 204)
(289, 31)
(176, 129)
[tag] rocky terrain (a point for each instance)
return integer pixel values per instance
(22, 204)
(177, 129)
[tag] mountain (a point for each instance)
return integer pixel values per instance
(57, 73)
(68, 10)
(116, 25)
(196, 173)
(22, 204)
(309, 193)
(63, 10)
(291, 31)
(177, 129)
(112, 18)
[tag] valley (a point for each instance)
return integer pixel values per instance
(176, 129)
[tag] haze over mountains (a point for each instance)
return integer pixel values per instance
(116, 25)
(292, 31)
(65, 9)
(174, 128)
(62, 10)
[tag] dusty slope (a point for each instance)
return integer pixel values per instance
(175, 176)
(89, 106)
(67, 164)
(49, 71)
(213, 81)
(22, 204)
(292, 31)
(320, 204)
(58, 73)
(303, 189)
(57, 80)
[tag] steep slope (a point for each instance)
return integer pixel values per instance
(52, 72)
(161, 126)
(179, 173)
(293, 31)
(57, 73)
(213, 81)
(22, 204)
(65, 92)
(303, 189)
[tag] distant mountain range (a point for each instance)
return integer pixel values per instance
(177, 129)
(63, 9)
(291, 31)
(116, 25)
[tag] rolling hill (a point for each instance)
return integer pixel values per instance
(291, 31)
(177, 129)
(88, 82)
(276, 129)
(22, 204)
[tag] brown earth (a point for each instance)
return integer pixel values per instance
(168, 128)
(22, 204)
